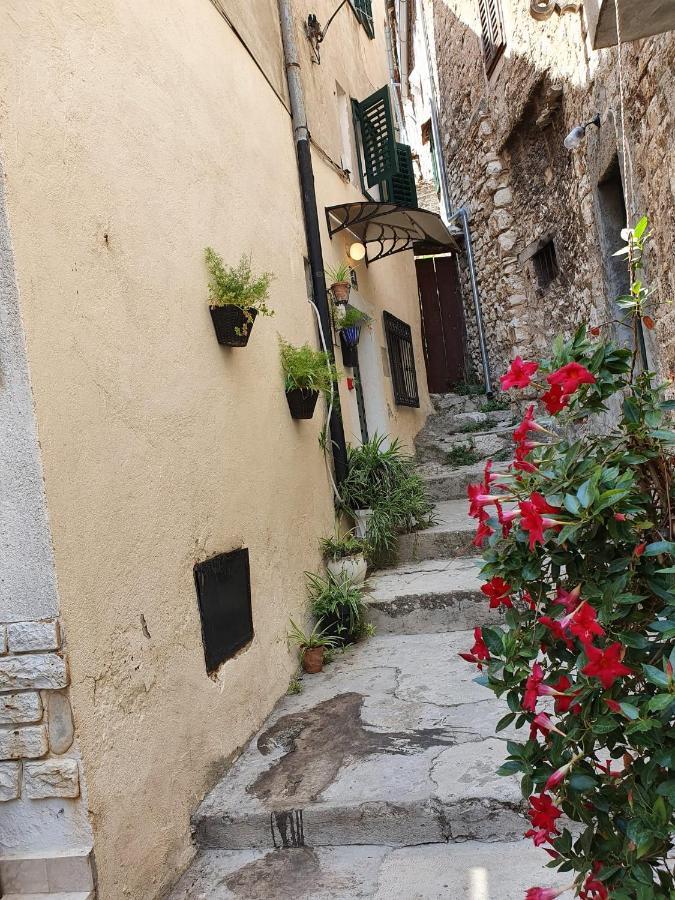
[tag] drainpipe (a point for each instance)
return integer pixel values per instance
(311, 215)
(402, 17)
(460, 214)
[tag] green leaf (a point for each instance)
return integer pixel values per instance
(640, 228)
(604, 725)
(631, 411)
(505, 721)
(660, 701)
(494, 638)
(587, 493)
(510, 767)
(659, 547)
(667, 437)
(571, 504)
(581, 782)
(632, 712)
(656, 676)
(667, 789)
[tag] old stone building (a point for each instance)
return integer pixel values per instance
(545, 220)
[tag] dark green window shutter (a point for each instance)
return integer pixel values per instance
(492, 27)
(401, 188)
(378, 140)
(364, 13)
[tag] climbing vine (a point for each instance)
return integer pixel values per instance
(579, 552)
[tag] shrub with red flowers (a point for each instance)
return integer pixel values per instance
(578, 538)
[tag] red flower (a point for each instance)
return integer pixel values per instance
(484, 530)
(594, 889)
(564, 701)
(478, 498)
(479, 653)
(527, 598)
(605, 665)
(542, 722)
(559, 774)
(519, 374)
(639, 550)
(568, 599)
(539, 893)
(532, 519)
(534, 679)
(498, 591)
(583, 623)
(613, 705)
(506, 519)
(543, 812)
(528, 424)
(556, 630)
(555, 399)
(570, 377)
(620, 517)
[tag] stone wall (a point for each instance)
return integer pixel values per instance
(503, 144)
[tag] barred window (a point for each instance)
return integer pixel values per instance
(401, 361)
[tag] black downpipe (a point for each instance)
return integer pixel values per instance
(315, 254)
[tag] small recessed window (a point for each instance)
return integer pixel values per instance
(545, 264)
(224, 593)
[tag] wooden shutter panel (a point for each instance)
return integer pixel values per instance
(364, 13)
(492, 28)
(402, 188)
(377, 137)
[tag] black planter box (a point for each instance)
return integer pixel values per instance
(301, 403)
(232, 324)
(350, 355)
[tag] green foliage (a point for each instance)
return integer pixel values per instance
(306, 368)
(495, 405)
(338, 604)
(472, 427)
(384, 479)
(462, 455)
(295, 685)
(606, 555)
(337, 274)
(237, 286)
(467, 388)
(341, 546)
(317, 637)
(348, 316)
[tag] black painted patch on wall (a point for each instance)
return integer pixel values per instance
(224, 594)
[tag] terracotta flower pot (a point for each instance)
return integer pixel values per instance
(341, 291)
(312, 660)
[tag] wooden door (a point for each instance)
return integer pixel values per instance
(443, 333)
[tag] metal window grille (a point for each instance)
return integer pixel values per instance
(401, 361)
(545, 264)
(492, 27)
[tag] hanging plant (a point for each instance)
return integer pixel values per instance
(579, 550)
(339, 279)
(349, 322)
(236, 297)
(307, 372)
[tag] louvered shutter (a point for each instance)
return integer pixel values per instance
(492, 28)
(378, 140)
(401, 186)
(364, 13)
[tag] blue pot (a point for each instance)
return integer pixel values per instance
(351, 335)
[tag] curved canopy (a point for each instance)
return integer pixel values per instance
(386, 229)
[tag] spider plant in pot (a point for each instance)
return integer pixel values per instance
(346, 555)
(349, 322)
(339, 278)
(312, 646)
(339, 604)
(306, 373)
(236, 297)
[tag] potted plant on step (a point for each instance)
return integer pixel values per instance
(236, 297)
(346, 556)
(340, 281)
(340, 606)
(306, 373)
(312, 646)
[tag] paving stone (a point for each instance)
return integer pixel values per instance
(451, 536)
(51, 778)
(32, 671)
(23, 708)
(24, 637)
(433, 595)
(448, 483)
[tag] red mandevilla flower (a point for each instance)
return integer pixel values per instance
(605, 665)
(534, 679)
(564, 701)
(556, 630)
(543, 814)
(554, 400)
(532, 519)
(539, 893)
(484, 530)
(570, 377)
(594, 889)
(519, 374)
(498, 591)
(479, 653)
(583, 623)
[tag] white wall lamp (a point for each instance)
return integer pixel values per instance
(357, 251)
(576, 136)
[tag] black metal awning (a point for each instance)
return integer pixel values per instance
(386, 228)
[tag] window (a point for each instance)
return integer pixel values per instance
(545, 264)
(492, 27)
(384, 164)
(401, 361)
(363, 10)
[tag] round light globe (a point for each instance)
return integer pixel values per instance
(357, 251)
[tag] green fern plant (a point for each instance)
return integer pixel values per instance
(307, 369)
(237, 285)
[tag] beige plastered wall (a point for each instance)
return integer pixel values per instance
(132, 136)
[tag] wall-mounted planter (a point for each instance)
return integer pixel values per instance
(341, 291)
(351, 334)
(302, 402)
(232, 324)
(312, 660)
(350, 357)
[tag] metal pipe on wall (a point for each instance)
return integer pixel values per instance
(311, 214)
(460, 214)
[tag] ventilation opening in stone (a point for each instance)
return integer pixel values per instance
(545, 264)
(224, 594)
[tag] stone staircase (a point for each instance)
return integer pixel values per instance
(378, 780)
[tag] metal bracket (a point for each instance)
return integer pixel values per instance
(544, 9)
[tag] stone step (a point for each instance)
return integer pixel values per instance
(474, 870)
(392, 744)
(451, 536)
(68, 895)
(482, 444)
(434, 595)
(447, 483)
